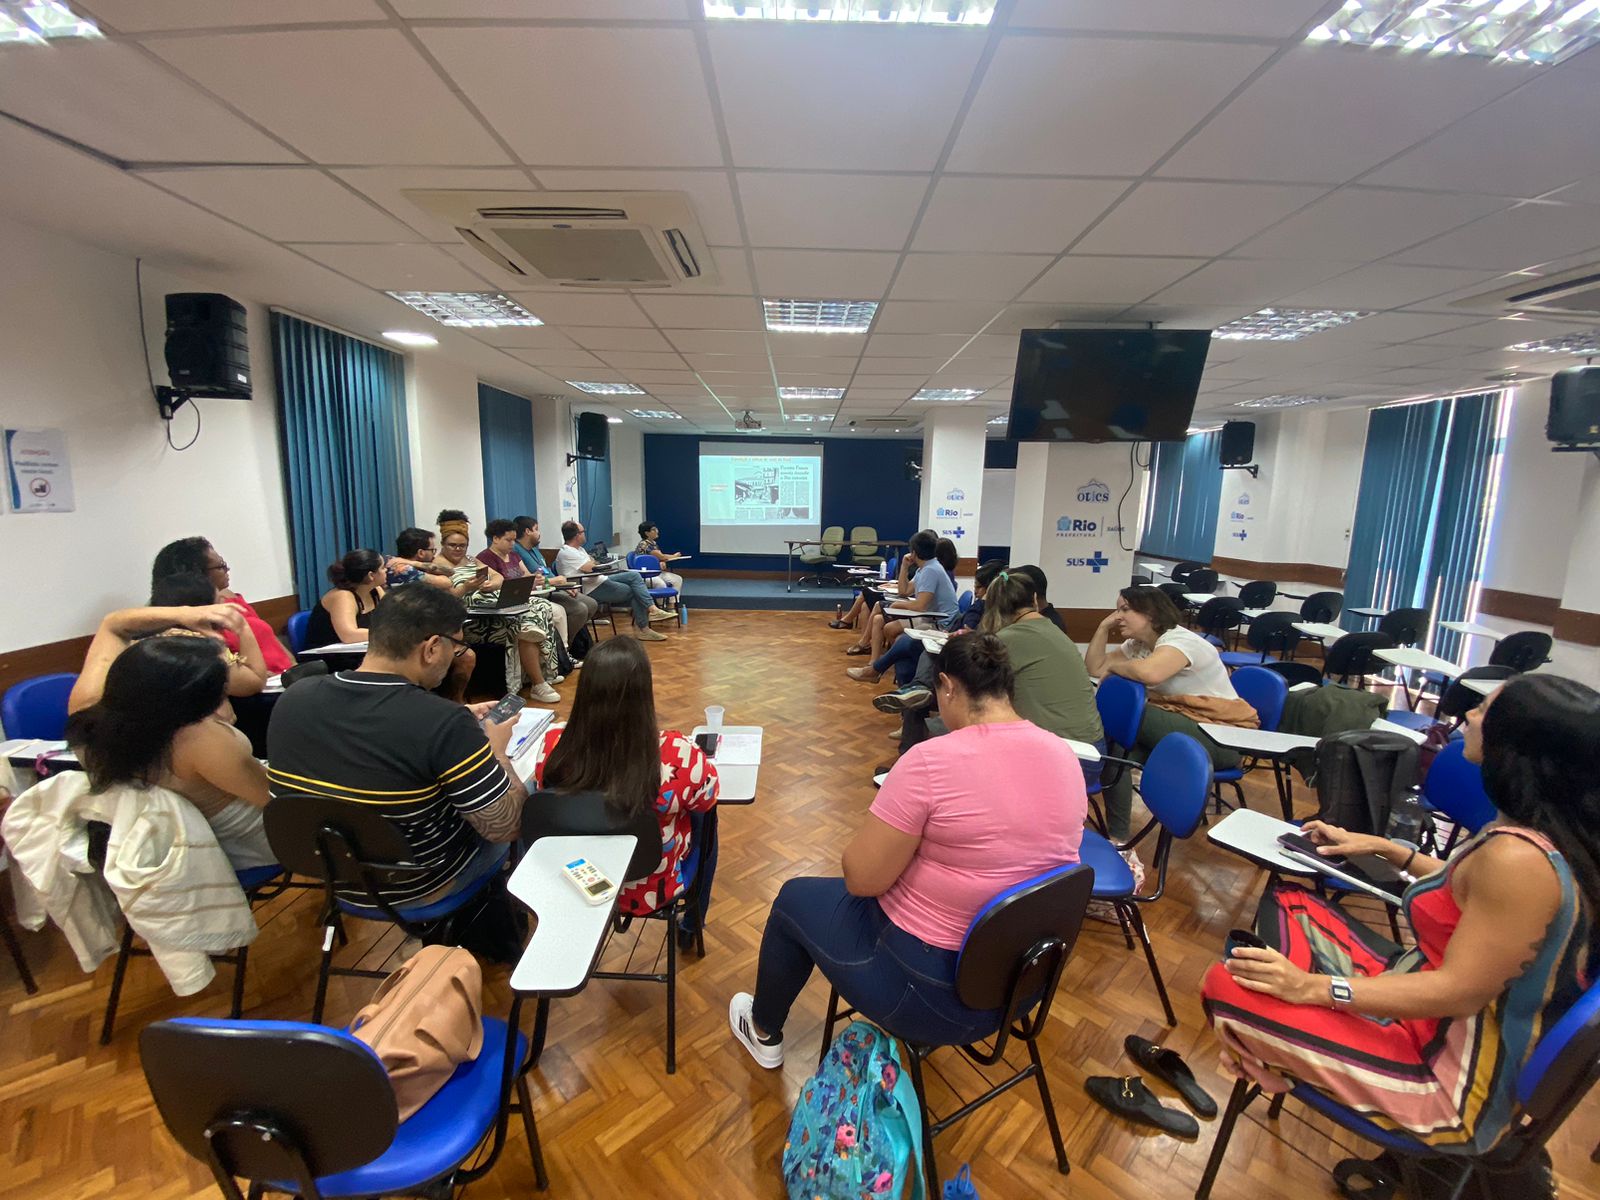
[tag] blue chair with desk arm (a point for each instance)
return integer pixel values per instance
(1266, 692)
(295, 630)
(1454, 788)
(37, 707)
(1120, 702)
(650, 567)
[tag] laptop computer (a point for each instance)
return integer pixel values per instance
(514, 593)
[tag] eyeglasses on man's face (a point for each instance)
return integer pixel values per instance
(461, 647)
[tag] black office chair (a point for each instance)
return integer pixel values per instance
(556, 814)
(1139, 581)
(1181, 573)
(1322, 607)
(1459, 700)
(1407, 626)
(1353, 655)
(1217, 616)
(353, 851)
(1010, 962)
(1295, 673)
(1270, 633)
(1202, 580)
(1259, 594)
(1522, 651)
(1175, 593)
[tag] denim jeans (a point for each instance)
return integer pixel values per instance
(892, 978)
(902, 656)
(625, 587)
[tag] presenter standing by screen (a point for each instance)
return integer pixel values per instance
(617, 587)
(649, 543)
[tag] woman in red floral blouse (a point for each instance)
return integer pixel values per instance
(611, 744)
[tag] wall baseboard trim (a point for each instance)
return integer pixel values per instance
(1519, 606)
(1574, 625)
(1243, 568)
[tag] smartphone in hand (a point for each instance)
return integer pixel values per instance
(507, 707)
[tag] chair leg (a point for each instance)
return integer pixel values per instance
(15, 947)
(1062, 1164)
(833, 1016)
(1276, 1106)
(242, 957)
(1394, 922)
(124, 953)
(672, 993)
(1122, 919)
(322, 974)
(1150, 956)
(531, 1127)
(930, 1163)
(1243, 1093)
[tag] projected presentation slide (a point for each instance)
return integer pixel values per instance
(751, 501)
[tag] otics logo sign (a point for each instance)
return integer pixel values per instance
(956, 495)
(1094, 492)
(1094, 562)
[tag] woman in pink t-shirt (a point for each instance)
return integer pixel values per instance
(960, 819)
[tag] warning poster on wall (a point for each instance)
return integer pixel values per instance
(38, 470)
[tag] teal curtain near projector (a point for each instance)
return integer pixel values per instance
(1422, 510)
(347, 462)
(1180, 518)
(594, 503)
(505, 432)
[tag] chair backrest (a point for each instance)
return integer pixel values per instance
(295, 628)
(1176, 783)
(863, 540)
(1181, 572)
(1218, 614)
(1520, 651)
(1203, 580)
(638, 560)
(1175, 593)
(964, 604)
(832, 540)
(562, 814)
(1454, 787)
(1407, 626)
(1322, 606)
(891, 565)
(1294, 672)
(1273, 631)
(1019, 941)
(1564, 1065)
(1263, 690)
(37, 707)
(1140, 581)
(1352, 654)
(1459, 700)
(1259, 594)
(1120, 702)
(345, 845)
(221, 1085)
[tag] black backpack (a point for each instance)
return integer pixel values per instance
(1360, 775)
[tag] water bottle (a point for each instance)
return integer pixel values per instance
(1405, 821)
(838, 612)
(683, 614)
(883, 569)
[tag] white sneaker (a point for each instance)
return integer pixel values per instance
(739, 1021)
(555, 681)
(545, 694)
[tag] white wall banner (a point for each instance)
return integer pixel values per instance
(1066, 520)
(952, 477)
(39, 471)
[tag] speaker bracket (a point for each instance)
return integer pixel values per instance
(573, 458)
(169, 400)
(1253, 468)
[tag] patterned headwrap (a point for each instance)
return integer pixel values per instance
(446, 528)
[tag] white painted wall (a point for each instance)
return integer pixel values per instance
(446, 453)
(1529, 546)
(69, 342)
(999, 499)
(1066, 503)
(627, 486)
(556, 482)
(952, 477)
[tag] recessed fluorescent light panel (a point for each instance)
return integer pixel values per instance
(613, 420)
(654, 414)
(1284, 324)
(41, 21)
(949, 13)
(1000, 420)
(947, 395)
(819, 316)
(1527, 31)
(406, 338)
(1282, 401)
(803, 417)
(1585, 342)
(810, 393)
(606, 389)
(468, 310)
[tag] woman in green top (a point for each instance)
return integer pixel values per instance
(1053, 687)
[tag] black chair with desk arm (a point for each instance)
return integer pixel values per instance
(554, 814)
(1258, 594)
(1352, 656)
(1218, 617)
(1180, 573)
(1524, 651)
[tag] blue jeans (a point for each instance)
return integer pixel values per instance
(890, 977)
(902, 656)
(626, 587)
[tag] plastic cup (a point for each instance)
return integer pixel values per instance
(714, 719)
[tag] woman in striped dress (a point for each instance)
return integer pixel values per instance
(1429, 1040)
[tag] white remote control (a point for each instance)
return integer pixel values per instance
(586, 877)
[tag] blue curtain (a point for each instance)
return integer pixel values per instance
(505, 431)
(1180, 520)
(347, 463)
(594, 502)
(1422, 510)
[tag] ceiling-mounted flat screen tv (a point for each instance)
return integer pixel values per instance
(1106, 385)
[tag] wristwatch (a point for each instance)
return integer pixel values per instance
(1339, 993)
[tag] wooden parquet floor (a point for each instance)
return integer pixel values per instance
(77, 1122)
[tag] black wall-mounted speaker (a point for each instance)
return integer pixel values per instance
(208, 346)
(594, 435)
(1574, 407)
(1238, 444)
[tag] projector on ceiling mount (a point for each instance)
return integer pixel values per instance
(749, 423)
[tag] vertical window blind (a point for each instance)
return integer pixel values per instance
(505, 432)
(1180, 512)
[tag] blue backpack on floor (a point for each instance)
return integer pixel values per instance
(857, 1128)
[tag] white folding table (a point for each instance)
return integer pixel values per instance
(1199, 597)
(1255, 835)
(1266, 745)
(1156, 568)
(1470, 629)
(1320, 630)
(1483, 687)
(1409, 658)
(738, 761)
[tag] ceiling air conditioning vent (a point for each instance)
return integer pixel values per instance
(1574, 293)
(580, 239)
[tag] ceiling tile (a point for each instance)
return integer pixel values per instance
(708, 191)
(631, 360)
(1091, 279)
(145, 16)
(718, 341)
(594, 10)
(1021, 215)
(1017, 317)
(386, 186)
(730, 362)
(583, 308)
(837, 345)
(703, 312)
(900, 365)
(286, 204)
(559, 360)
(1360, 223)
(358, 96)
(824, 274)
(1254, 283)
(849, 212)
(932, 316)
(912, 345)
(115, 94)
(624, 338)
(1085, 106)
(1523, 144)
(656, 378)
(1327, 114)
(397, 268)
(524, 337)
(904, 86)
(1192, 218)
(730, 275)
(625, 97)
(1234, 18)
(966, 276)
(793, 363)
(904, 384)
(1515, 239)
(1385, 286)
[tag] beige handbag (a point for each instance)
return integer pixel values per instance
(424, 1021)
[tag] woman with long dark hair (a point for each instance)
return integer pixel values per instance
(163, 720)
(343, 613)
(1430, 1039)
(611, 744)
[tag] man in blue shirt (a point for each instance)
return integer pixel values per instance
(933, 591)
(579, 608)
